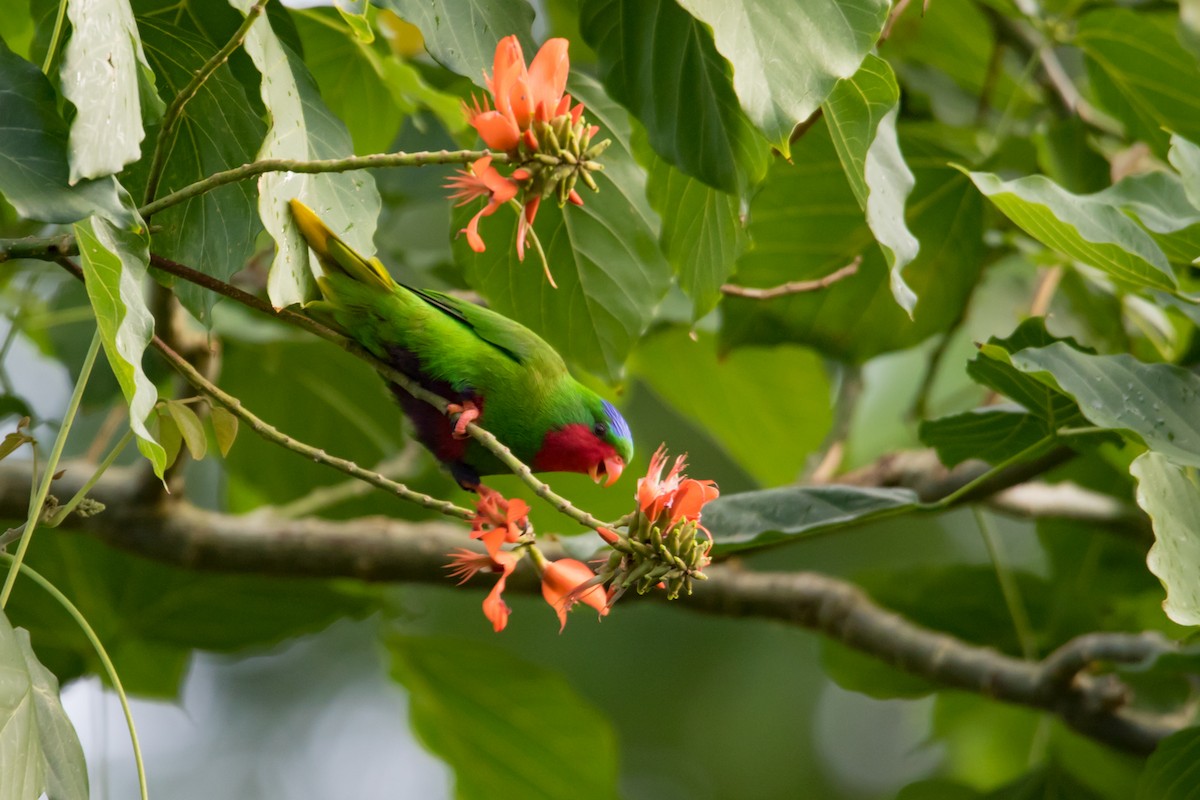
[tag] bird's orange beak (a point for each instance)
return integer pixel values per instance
(613, 467)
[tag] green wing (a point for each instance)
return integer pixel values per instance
(513, 339)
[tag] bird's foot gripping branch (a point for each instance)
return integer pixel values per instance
(662, 545)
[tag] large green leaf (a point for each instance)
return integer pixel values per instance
(1157, 402)
(350, 73)
(740, 406)
(787, 55)
(41, 750)
(806, 223)
(702, 232)
(500, 722)
(604, 255)
(992, 434)
(770, 516)
(303, 128)
(1159, 201)
(1185, 157)
(150, 616)
(102, 69)
(861, 112)
(1170, 770)
(114, 264)
(34, 174)
(462, 34)
(994, 369)
(1170, 494)
(219, 129)
(1138, 71)
(1084, 227)
(660, 63)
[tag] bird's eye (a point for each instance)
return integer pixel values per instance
(600, 429)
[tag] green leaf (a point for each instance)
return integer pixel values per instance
(1169, 773)
(219, 129)
(354, 12)
(169, 436)
(114, 265)
(938, 789)
(702, 232)
(740, 404)
(1160, 202)
(351, 76)
(14, 440)
(805, 224)
(1137, 67)
(102, 69)
(861, 114)
(1155, 401)
(499, 721)
(992, 434)
(604, 255)
(1185, 157)
(660, 63)
(303, 128)
(757, 519)
(1170, 494)
(190, 428)
(1082, 227)
(462, 34)
(41, 750)
(787, 55)
(993, 368)
(225, 428)
(34, 175)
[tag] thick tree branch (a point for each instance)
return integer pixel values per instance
(378, 549)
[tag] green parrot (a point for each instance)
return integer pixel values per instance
(486, 365)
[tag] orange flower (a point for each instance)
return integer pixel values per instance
(498, 520)
(466, 563)
(684, 497)
(497, 131)
(522, 94)
(478, 180)
(564, 583)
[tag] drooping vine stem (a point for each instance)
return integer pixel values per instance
(218, 179)
(38, 497)
(174, 112)
(101, 653)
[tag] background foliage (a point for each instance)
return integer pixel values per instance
(1018, 183)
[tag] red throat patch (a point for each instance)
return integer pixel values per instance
(574, 448)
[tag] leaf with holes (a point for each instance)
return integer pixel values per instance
(303, 128)
(104, 72)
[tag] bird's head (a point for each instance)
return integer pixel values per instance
(595, 440)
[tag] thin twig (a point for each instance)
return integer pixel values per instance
(795, 287)
(273, 434)
(313, 167)
(174, 112)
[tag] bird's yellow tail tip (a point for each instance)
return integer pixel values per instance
(316, 232)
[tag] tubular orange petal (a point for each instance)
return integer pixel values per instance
(561, 583)
(548, 76)
(574, 197)
(494, 607)
(497, 131)
(576, 113)
(564, 105)
(472, 231)
(690, 499)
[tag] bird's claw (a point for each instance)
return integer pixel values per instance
(467, 413)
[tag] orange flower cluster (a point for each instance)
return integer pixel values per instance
(675, 497)
(498, 521)
(543, 135)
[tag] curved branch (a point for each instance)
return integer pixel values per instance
(379, 549)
